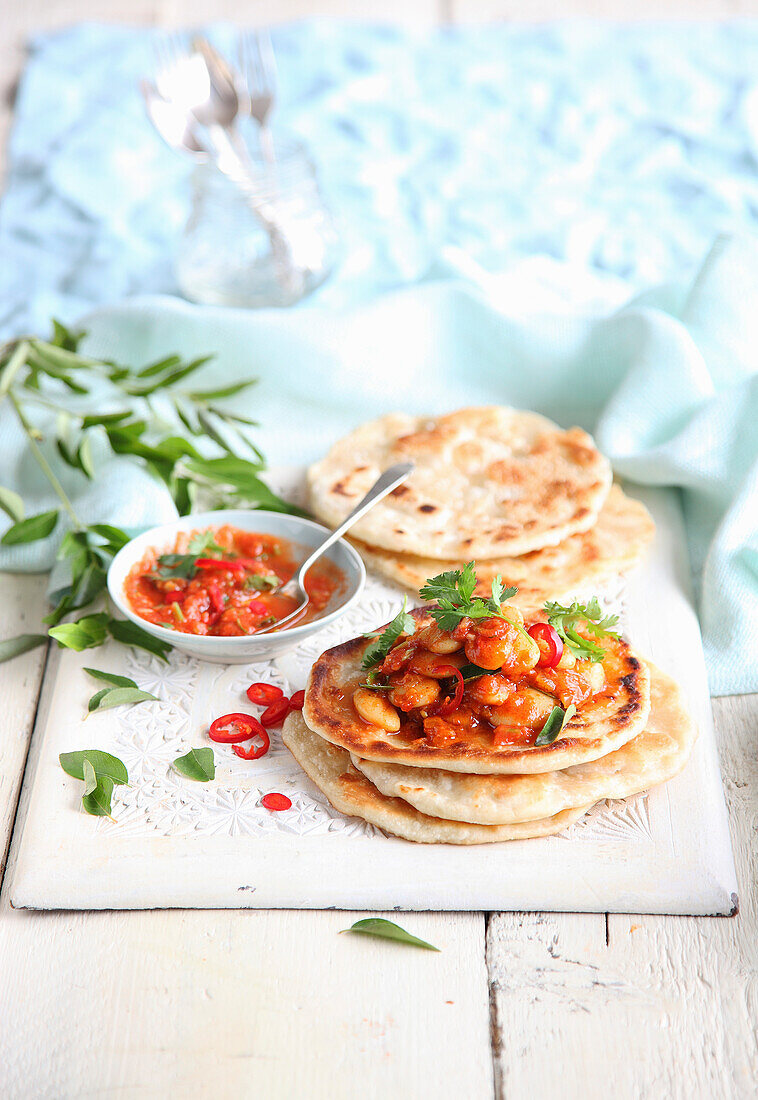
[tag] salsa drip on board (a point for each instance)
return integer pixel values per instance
(223, 581)
(480, 671)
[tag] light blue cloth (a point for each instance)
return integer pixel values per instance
(671, 395)
(623, 148)
(617, 149)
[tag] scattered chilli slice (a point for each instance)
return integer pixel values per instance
(254, 752)
(297, 700)
(275, 714)
(264, 694)
(276, 801)
(231, 729)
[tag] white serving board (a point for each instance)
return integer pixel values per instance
(184, 844)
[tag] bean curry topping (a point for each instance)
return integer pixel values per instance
(479, 670)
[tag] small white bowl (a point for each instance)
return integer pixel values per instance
(238, 651)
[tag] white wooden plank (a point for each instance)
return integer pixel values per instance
(243, 1004)
(22, 598)
(665, 1007)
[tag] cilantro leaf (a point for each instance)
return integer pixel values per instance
(261, 583)
(566, 619)
(203, 543)
(170, 566)
(403, 623)
(453, 592)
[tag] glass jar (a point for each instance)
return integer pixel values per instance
(269, 243)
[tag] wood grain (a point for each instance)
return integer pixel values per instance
(22, 598)
(240, 1004)
(667, 1006)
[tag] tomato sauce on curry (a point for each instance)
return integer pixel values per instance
(223, 581)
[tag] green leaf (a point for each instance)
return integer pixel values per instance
(203, 543)
(130, 634)
(90, 779)
(566, 619)
(387, 930)
(103, 762)
(22, 643)
(12, 504)
(118, 697)
(453, 592)
(86, 633)
(159, 366)
(403, 623)
(31, 529)
(111, 678)
(175, 565)
(224, 391)
(472, 672)
(94, 702)
(113, 536)
(261, 583)
(98, 802)
(198, 764)
(557, 719)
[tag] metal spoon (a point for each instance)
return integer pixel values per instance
(295, 587)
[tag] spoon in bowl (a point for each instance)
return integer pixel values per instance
(295, 587)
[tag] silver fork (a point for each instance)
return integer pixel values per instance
(258, 66)
(192, 80)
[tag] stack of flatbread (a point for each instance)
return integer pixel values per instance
(536, 505)
(510, 489)
(633, 736)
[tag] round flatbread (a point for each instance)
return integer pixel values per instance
(488, 482)
(603, 724)
(654, 756)
(351, 793)
(581, 563)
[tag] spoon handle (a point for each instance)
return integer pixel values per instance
(383, 485)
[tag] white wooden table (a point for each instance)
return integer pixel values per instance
(258, 1003)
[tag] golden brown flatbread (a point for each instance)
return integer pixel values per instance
(582, 563)
(601, 725)
(351, 793)
(488, 482)
(653, 756)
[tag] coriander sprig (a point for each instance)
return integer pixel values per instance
(566, 619)
(403, 623)
(453, 592)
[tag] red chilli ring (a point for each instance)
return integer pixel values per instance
(550, 644)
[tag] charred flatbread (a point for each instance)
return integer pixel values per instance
(351, 793)
(600, 726)
(653, 756)
(488, 482)
(582, 562)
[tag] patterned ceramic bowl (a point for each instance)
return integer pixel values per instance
(239, 650)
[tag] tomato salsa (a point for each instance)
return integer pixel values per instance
(223, 581)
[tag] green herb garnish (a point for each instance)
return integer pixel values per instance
(565, 620)
(403, 623)
(197, 764)
(203, 544)
(100, 772)
(373, 684)
(44, 374)
(388, 930)
(554, 726)
(260, 582)
(453, 592)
